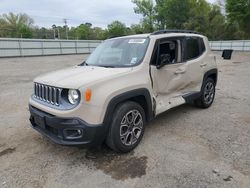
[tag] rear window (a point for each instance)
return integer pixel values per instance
(192, 48)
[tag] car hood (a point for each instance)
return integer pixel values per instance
(77, 76)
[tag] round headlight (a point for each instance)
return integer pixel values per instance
(73, 96)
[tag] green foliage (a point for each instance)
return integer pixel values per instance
(198, 15)
(83, 31)
(198, 19)
(216, 28)
(116, 29)
(147, 9)
(26, 32)
(137, 29)
(172, 13)
(98, 33)
(239, 13)
(19, 25)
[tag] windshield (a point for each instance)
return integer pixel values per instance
(123, 52)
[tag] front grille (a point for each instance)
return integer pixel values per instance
(47, 93)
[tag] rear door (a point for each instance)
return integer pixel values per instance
(193, 58)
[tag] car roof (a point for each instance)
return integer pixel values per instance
(132, 36)
(161, 35)
(179, 34)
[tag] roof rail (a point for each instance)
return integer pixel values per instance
(173, 31)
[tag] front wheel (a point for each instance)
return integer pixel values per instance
(127, 127)
(207, 94)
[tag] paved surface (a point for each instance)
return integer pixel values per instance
(184, 147)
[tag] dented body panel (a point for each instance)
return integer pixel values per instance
(166, 85)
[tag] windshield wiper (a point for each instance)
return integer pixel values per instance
(106, 66)
(83, 63)
(86, 64)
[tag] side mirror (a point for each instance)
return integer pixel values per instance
(164, 60)
(227, 54)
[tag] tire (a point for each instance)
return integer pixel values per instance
(127, 127)
(207, 94)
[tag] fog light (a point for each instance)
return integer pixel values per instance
(73, 133)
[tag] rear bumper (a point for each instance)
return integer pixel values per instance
(66, 131)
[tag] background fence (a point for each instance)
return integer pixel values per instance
(38, 47)
(237, 45)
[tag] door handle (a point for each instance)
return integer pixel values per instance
(203, 64)
(180, 71)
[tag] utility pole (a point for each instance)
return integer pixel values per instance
(66, 28)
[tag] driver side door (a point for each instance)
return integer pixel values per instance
(172, 80)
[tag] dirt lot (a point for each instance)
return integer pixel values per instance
(184, 147)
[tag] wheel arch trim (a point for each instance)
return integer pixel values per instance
(209, 73)
(129, 95)
(124, 97)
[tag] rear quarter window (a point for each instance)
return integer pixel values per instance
(192, 49)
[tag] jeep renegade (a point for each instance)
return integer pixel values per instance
(124, 83)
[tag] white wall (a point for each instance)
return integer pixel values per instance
(237, 45)
(10, 47)
(35, 47)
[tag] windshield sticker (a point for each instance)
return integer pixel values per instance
(133, 60)
(136, 41)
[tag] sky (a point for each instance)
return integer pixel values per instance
(98, 12)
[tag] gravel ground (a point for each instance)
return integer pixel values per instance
(184, 147)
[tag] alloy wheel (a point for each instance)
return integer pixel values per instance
(131, 127)
(209, 93)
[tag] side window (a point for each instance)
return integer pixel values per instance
(192, 49)
(202, 46)
(169, 51)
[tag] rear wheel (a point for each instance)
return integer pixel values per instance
(127, 127)
(207, 94)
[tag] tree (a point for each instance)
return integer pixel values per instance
(116, 29)
(172, 13)
(216, 29)
(238, 11)
(98, 33)
(137, 29)
(16, 25)
(147, 9)
(26, 32)
(198, 16)
(83, 31)
(3, 28)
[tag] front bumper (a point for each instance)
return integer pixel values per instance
(66, 131)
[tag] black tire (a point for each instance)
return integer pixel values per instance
(121, 117)
(207, 94)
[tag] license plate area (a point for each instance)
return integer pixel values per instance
(39, 121)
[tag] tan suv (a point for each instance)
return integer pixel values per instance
(124, 83)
